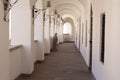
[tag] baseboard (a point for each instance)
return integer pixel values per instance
(25, 75)
(39, 62)
(60, 42)
(47, 54)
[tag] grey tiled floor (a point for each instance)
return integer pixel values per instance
(65, 64)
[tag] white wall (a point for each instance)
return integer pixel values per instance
(112, 62)
(109, 70)
(15, 62)
(77, 35)
(83, 48)
(4, 42)
(98, 67)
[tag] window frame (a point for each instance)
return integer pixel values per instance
(102, 36)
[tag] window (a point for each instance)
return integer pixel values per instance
(67, 29)
(102, 42)
(10, 28)
(82, 32)
(86, 35)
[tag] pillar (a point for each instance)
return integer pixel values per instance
(61, 32)
(23, 33)
(47, 32)
(52, 31)
(39, 32)
(58, 30)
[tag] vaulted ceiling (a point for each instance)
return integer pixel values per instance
(68, 8)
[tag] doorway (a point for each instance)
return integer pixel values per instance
(79, 32)
(67, 32)
(91, 34)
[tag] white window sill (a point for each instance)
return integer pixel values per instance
(13, 47)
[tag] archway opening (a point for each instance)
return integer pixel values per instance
(67, 28)
(68, 32)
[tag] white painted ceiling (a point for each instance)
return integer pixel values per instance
(68, 8)
(74, 6)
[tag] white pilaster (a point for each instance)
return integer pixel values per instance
(23, 33)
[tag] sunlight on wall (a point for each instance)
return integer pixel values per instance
(67, 28)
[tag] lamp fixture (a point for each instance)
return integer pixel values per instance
(7, 7)
(62, 20)
(56, 15)
(38, 11)
(48, 4)
(55, 12)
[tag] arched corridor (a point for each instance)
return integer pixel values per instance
(32, 29)
(65, 64)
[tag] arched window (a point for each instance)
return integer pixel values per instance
(67, 28)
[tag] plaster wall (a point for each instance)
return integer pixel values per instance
(109, 70)
(77, 35)
(101, 71)
(83, 48)
(98, 67)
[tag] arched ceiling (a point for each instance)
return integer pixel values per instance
(76, 5)
(68, 8)
(70, 21)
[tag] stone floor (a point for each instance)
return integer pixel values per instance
(65, 64)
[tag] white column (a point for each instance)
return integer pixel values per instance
(52, 32)
(58, 30)
(61, 32)
(4, 42)
(47, 33)
(23, 33)
(55, 26)
(39, 32)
